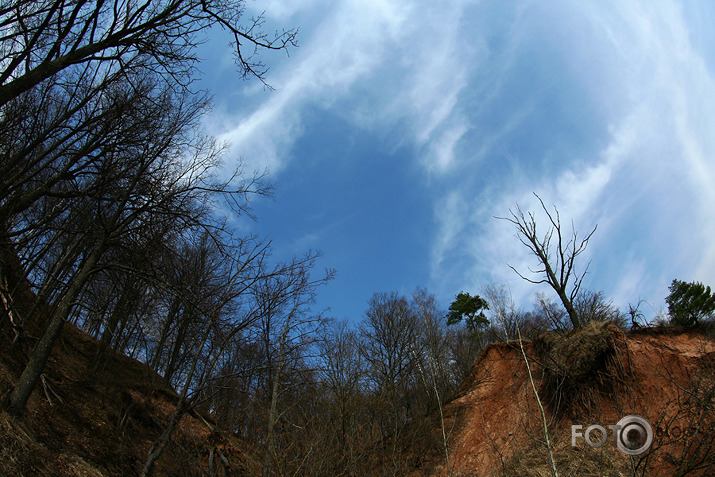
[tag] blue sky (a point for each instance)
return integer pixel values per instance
(399, 129)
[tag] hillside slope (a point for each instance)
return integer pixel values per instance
(105, 426)
(596, 376)
(74, 426)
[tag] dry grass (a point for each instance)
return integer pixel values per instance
(582, 461)
(102, 427)
(580, 367)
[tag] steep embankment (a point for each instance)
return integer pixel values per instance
(596, 376)
(102, 423)
(105, 426)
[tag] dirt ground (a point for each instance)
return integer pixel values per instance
(495, 426)
(105, 426)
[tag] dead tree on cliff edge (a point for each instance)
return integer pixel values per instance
(556, 267)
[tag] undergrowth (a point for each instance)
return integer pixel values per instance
(580, 367)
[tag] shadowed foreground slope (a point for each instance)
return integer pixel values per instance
(103, 427)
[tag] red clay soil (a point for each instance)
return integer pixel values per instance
(495, 428)
(105, 426)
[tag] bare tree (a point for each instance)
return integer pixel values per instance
(342, 371)
(64, 62)
(68, 70)
(160, 172)
(41, 38)
(286, 327)
(556, 254)
(504, 315)
(435, 374)
(594, 306)
(549, 313)
(220, 313)
(390, 331)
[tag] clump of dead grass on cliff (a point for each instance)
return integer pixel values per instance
(581, 366)
(581, 460)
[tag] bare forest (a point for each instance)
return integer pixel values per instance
(118, 216)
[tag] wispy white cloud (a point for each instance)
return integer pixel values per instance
(442, 149)
(604, 110)
(650, 186)
(282, 11)
(348, 41)
(381, 64)
(451, 221)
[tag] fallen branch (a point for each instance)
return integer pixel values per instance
(48, 390)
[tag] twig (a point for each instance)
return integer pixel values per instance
(544, 423)
(48, 390)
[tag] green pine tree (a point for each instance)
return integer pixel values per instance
(470, 309)
(690, 303)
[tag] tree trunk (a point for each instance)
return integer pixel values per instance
(173, 364)
(33, 370)
(275, 395)
(181, 407)
(575, 320)
(159, 446)
(6, 299)
(119, 314)
(272, 419)
(170, 317)
(558, 285)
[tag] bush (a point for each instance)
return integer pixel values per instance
(690, 304)
(578, 364)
